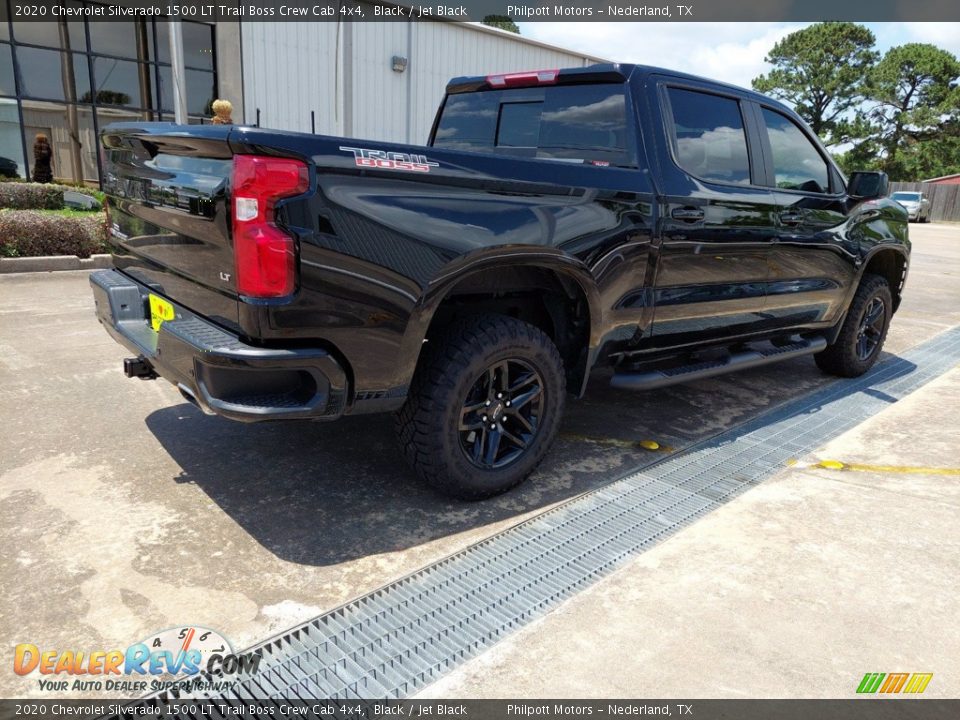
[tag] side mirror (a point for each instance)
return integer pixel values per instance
(868, 185)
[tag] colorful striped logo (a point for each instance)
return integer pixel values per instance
(888, 683)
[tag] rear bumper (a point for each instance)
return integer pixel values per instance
(213, 368)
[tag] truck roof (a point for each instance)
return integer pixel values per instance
(600, 72)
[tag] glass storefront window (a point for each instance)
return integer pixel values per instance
(11, 149)
(122, 82)
(37, 33)
(69, 129)
(46, 74)
(197, 44)
(52, 81)
(124, 39)
(48, 33)
(7, 85)
(201, 90)
(163, 95)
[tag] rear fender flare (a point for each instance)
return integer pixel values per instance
(442, 285)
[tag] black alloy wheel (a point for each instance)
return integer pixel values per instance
(860, 339)
(501, 417)
(871, 328)
(484, 406)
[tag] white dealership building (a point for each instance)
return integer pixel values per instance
(375, 80)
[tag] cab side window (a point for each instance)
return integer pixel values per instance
(711, 143)
(571, 123)
(797, 164)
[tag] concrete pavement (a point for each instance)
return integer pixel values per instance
(795, 589)
(126, 511)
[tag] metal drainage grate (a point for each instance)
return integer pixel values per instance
(392, 642)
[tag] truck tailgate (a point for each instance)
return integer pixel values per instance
(169, 213)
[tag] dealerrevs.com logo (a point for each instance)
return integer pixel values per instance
(199, 656)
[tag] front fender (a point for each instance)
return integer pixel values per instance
(879, 226)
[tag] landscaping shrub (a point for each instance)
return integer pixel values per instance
(31, 196)
(22, 194)
(28, 233)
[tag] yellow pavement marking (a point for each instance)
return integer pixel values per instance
(651, 445)
(895, 469)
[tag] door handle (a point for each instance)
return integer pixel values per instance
(687, 214)
(791, 218)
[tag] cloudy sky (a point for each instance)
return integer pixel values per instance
(732, 52)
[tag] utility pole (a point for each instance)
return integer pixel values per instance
(179, 74)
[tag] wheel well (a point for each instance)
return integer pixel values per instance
(544, 298)
(891, 265)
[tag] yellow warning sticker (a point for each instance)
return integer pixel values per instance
(160, 310)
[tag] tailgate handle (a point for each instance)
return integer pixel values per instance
(687, 214)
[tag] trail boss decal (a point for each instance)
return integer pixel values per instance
(364, 157)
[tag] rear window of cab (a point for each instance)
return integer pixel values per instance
(573, 123)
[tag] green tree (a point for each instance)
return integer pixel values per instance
(107, 97)
(501, 21)
(915, 117)
(821, 71)
(865, 155)
(931, 158)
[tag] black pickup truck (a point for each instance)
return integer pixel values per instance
(664, 225)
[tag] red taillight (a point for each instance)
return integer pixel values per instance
(265, 254)
(523, 79)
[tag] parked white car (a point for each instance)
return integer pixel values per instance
(916, 204)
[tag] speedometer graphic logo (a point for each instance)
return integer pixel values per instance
(193, 645)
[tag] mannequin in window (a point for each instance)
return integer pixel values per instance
(42, 158)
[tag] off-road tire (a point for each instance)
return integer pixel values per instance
(842, 357)
(429, 426)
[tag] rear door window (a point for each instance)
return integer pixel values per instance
(709, 136)
(577, 123)
(586, 121)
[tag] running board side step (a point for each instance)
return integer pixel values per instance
(652, 379)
